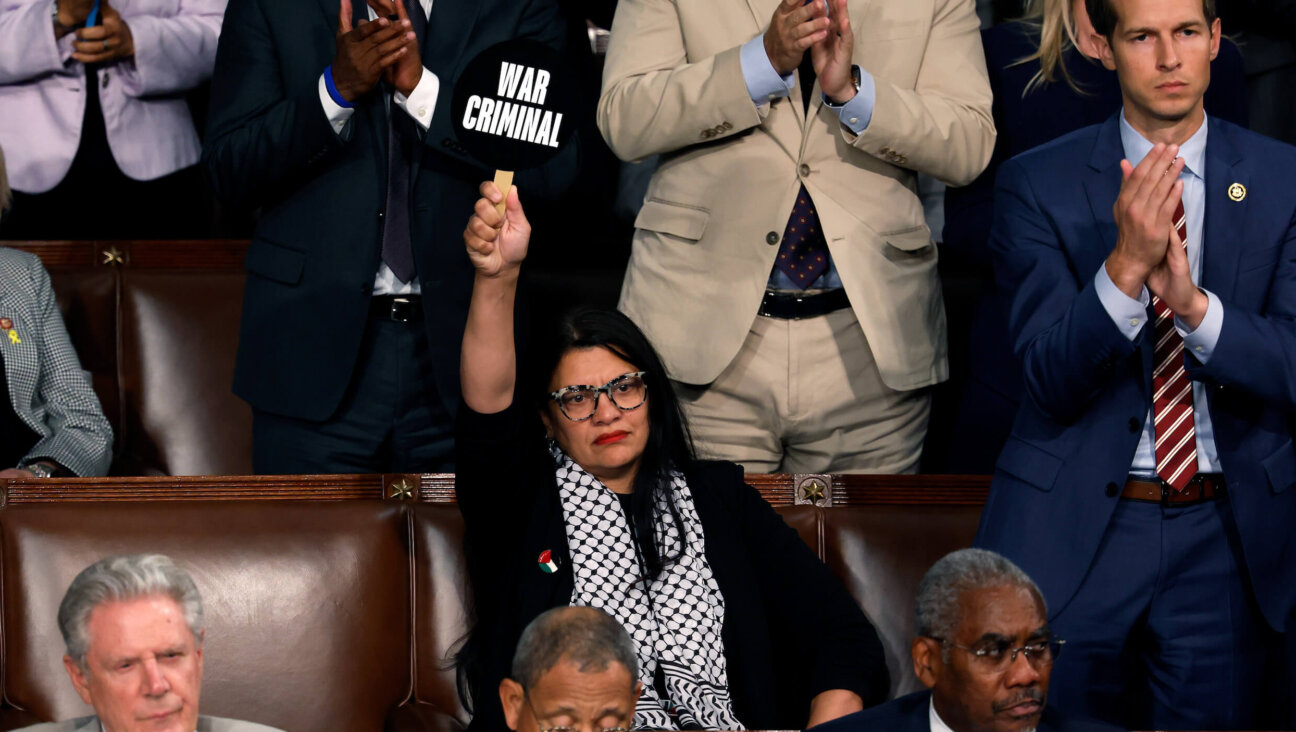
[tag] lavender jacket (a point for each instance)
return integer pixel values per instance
(43, 97)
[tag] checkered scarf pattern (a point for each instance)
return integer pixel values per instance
(676, 624)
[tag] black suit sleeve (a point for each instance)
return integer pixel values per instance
(262, 140)
(847, 654)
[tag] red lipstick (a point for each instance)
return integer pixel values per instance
(608, 438)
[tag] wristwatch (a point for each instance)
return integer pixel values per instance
(40, 470)
(855, 81)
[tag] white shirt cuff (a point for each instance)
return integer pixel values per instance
(858, 112)
(764, 84)
(1128, 314)
(422, 100)
(336, 113)
(1201, 342)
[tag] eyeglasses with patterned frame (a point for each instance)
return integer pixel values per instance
(527, 697)
(997, 657)
(579, 402)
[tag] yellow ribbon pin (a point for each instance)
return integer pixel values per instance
(13, 337)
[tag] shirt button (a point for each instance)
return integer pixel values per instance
(422, 111)
(803, 169)
(854, 120)
(772, 238)
(1134, 321)
(1197, 349)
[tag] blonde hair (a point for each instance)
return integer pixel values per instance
(5, 196)
(1056, 36)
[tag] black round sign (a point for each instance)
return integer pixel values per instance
(515, 105)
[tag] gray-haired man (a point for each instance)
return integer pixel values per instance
(133, 626)
(984, 650)
(574, 667)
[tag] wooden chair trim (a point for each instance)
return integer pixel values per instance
(779, 490)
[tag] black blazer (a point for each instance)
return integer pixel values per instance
(790, 632)
(911, 714)
(312, 260)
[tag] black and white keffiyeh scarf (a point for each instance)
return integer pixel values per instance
(676, 624)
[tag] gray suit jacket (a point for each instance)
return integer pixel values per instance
(205, 724)
(47, 387)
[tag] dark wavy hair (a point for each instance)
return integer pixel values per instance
(669, 446)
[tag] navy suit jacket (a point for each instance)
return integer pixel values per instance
(1088, 388)
(910, 714)
(312, 261)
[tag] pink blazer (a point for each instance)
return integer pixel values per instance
(43, 97)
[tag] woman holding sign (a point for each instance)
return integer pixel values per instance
(581, 488)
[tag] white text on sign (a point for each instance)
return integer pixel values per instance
(510, 118)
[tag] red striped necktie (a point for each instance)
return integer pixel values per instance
(1172, 399)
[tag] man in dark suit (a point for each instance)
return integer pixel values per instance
(336, 122)
(983, 648)
(1147, 482)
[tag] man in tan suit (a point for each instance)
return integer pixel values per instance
(780, 262)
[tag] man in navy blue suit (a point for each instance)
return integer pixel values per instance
(983, 648)
(1147, 482)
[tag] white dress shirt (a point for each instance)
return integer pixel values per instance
(1130, 315)
(937, 724)
(418, 105)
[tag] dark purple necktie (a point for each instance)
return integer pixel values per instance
(803, 253)
(402, 145)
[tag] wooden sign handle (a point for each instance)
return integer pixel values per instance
(503, 181)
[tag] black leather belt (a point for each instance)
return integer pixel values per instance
(792, 306)
(1201, 488)
(400, 308)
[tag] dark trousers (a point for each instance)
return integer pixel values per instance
(391, 420)
(1164, 632)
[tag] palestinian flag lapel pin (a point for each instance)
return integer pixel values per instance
(548, 564)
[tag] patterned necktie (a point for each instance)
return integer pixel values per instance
(1172, 400)
(402, 142)
(803, 254)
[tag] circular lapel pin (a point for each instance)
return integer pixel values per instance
(547, 563)
(1237, 191)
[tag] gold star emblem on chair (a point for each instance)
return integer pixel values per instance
(401, 490)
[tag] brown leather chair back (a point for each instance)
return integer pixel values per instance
(307, 604)
(441, 592)
(881, 552)
(179, 336)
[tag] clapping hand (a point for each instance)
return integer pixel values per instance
(1149, 194)
(405, 74)
(832, 55)
(365, 52)
(111, 41)
(497, 243)
(794, 28)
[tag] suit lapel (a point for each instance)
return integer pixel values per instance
(449, 27)
(1102, 185)
(1223, 240)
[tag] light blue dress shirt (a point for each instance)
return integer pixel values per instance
(1131, 315)
(764, 85)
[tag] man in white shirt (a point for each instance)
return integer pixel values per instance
(334, 118)
(133, 629)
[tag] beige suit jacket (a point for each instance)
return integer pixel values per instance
(707, 235)
(205, 724)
